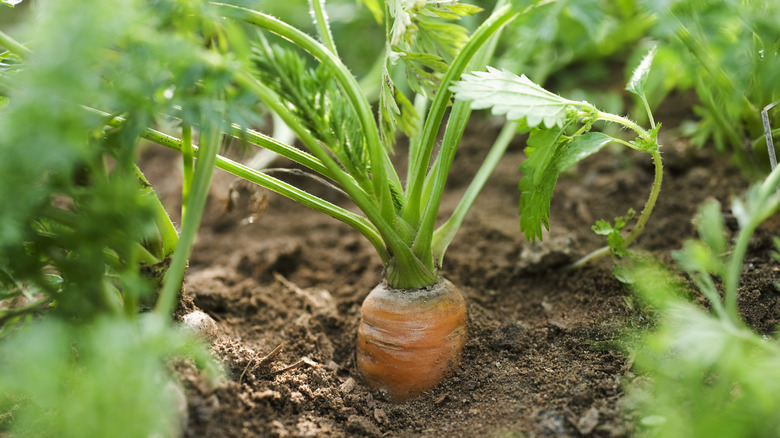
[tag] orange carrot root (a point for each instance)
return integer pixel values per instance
(409, 340)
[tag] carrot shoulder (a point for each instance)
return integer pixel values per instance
(409, 340)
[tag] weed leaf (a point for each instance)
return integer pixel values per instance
(515, 96)
(580, 147)
(549, 154)
(539, 180)
(638, 80)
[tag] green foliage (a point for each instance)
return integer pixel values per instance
(729, 53)
(544, 41)
(326, 108)
(615, 238)
(709, 374)
(84, 241)
(106, 378)
(316, 100)
(424, 38)
(552, 147)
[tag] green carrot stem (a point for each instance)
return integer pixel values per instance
(321, 23)
(169, 237)
(12, 45)
(204, 170)
(359, 223)
(444, 234)
(188, 157)
(378, 157)
(418, 163)
(461, 110)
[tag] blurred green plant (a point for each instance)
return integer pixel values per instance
(107, 378)
(547, 39)
(578, 48)
(708, 373)
(84, 241)
(728, 52)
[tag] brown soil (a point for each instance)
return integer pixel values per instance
(544, 356)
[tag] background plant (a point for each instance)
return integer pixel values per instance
(560, 136)
(709, 374)
(728, 52)
(84, 241)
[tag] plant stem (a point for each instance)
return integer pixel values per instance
(766, 207)
(437, 179)
(204, 170)
(386, 222)
(418, 163)
(321, 23)
(444, 234)
(168, 235)
(377, 154)
(359, 223)
(187, 155)
(600, 115)
(650, 204)
(12, 45)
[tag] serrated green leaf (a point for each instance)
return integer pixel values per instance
(638, 80)
(4, 101)
(616, 243)
(602, 227)
(538, 182)
(581, 147)
(517, 97)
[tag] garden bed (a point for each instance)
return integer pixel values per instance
(544, 356)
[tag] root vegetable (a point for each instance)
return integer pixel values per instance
(409, 340)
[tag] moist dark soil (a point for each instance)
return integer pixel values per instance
(545, 354)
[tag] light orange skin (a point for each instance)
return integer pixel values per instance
(409, 340)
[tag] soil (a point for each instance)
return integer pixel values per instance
(544, 355)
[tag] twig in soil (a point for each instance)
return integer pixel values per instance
(251, 366)
(304, 361)
(265, 361)
(268, 358)
(289, 284)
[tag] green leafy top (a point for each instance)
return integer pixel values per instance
(425, 40)
(514, 96)
(553, 144)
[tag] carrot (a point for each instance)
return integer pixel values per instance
(409, 340)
